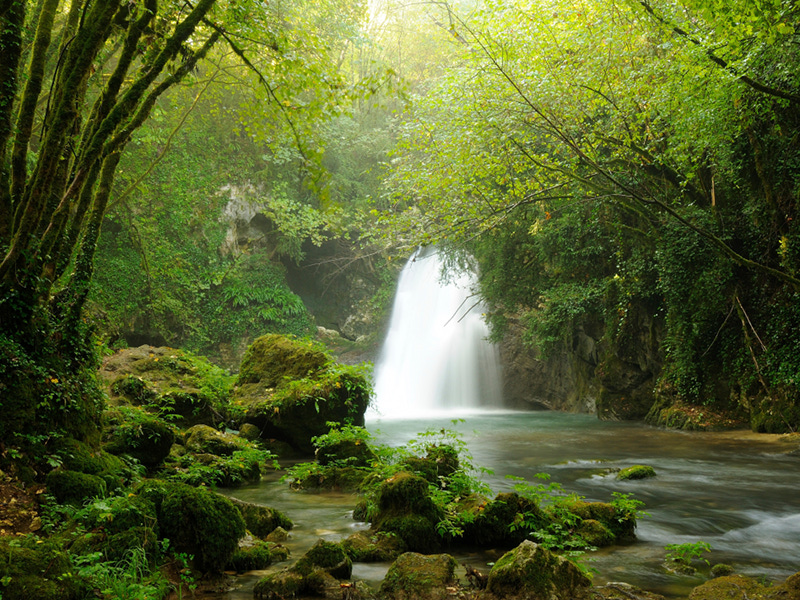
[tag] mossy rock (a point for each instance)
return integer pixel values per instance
(290, 390)
(418, 577)
(347, 479)
(261, 520)
(301, 409)
(788, 590)
(176, 381)
(622, 526)
(250, 558)
(249, 432)
(328, 556)
(197, 521)
(636, 472)
(40, 569)
(205, 439)
(272, 358)
(622, 591)
(730, 587)
(439, 461)
(73, 487)
(494, 522)
(595, 533)
(532, 572)
(79, 456)
(285, 584)
(406, 510)
(721, 570)
(373, 547)
(352, 453)
(146, 438)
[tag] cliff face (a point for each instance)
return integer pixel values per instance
(590, 371)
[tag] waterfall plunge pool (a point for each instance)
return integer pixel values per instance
(735, 490)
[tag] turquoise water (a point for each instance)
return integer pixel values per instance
(735, 490)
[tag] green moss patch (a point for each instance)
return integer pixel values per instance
(636, 472)
(418, 576)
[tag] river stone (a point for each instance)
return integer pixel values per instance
(207, 440)
(636, 472)
(378, 547)
(406, 510)
(532, 572)
(328, 556)
(731, 587)
(617, 590)
(419, 577)
(262, 521)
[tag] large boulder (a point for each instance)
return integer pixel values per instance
(177, 382)
(419, 577)
(262, 520)
(138, 434)
(290, 389)
(406, 510)
(496, 522)
(196, 521)
(207, 440)
(532, 572)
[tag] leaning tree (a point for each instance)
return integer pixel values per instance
(76, 81)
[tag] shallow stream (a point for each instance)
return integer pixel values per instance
(738, 491)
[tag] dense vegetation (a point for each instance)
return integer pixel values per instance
(625, 174)
(627, 167)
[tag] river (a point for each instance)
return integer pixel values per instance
(736, 491)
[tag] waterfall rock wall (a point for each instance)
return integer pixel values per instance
(587, 372)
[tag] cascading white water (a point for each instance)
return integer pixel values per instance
(436, 357)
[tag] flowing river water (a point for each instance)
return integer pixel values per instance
(737, 491)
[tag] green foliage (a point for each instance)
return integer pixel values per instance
(241, 467)
(687, 552)
(130, 577)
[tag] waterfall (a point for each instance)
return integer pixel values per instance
(436, 357)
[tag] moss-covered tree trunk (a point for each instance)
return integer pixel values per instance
(62, 131)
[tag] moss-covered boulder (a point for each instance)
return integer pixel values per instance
(73, 487)
(262, 520)
(594, 533)
(636, 472)
(617, 590)
(406, 510)
(316, 573)
(257, 555)
(351, 453)
(439, 461)
(272, 359)
(197, 521)
(34, 568)
(620, 523)
(532, 572)
(419, 577)
(496, 522)
(284, 584)
(290, 389)
(175, 381)
(207, 440)
(79, 456)
(138, 434)
(364, 546)
(328, 556)
(731, 587)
